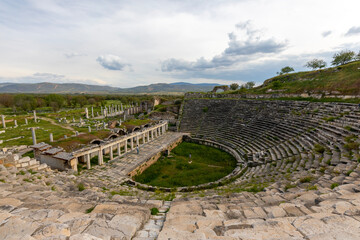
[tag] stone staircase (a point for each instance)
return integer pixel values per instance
(27, 163)
(153, 227)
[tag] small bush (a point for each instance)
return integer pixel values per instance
(306, 179)
(309, 188)
(81, 187)
(351, 146)
(334, 185)
(319, 148)
(154, 211)
(31, 171)
(89, 210)
(288, 186)
(205, 109)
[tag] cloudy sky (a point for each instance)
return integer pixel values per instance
(130, 43)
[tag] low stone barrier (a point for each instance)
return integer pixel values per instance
(237, 172)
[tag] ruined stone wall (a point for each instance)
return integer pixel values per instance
(266, 96)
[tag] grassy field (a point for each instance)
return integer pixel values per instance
(24, 131)
(344, 79)
(208, 164)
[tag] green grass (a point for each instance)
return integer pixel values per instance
(42, 134)
(208, 164)
(81, 187)
(345, 79)
(306, 179)
(334, 185)
(154, 211)
(89, 210)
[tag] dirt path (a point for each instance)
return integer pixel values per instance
(54, 123)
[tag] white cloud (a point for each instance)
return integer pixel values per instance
(112, 62)
(74, 54)
(66, 37)
(250, 44)
(353, 31)
(326, 33)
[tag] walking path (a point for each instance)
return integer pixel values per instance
(116, 171)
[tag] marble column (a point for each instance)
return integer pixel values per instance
(111, 153)
(87, 159)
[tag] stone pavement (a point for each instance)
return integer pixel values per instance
(115, 172)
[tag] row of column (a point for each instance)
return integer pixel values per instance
(133, 141)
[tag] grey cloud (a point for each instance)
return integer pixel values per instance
(112, 62)
(74, 54)
(353, 31)
(326, 33)
(237, 51)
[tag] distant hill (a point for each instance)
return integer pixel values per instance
(45, 87)
(344, 79)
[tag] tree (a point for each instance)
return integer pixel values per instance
(358, 56)
(315, 64)
(343, 57)
(285, 70)
(249, 85)
(234, 86)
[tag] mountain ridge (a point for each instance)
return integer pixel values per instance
(48, 87)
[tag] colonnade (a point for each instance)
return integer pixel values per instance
(122, 145)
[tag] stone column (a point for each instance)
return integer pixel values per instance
(33, 135)
(51, 137)
(148, 136)
(143, 138)
(101, 110)
(152, 134)
(92, 112)
(125, 147)
(104, 125)
(76, 133)
(122, 108)
(89, 128)
(88, 163)
(132, 143)
(3, 121)
(111, 153)
(100, 157)
(35, 118)
(26, 121)
(118, 150)
(137, 140)
(87, 113)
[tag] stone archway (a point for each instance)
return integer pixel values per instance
(223, 87)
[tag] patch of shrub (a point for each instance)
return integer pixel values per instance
(334, 185)
(306, 179)
(154, 211)
(81, 187)
(89, 210)
(319, 148)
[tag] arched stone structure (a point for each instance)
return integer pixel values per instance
(96, 141)
(112, 136)
(223, 87)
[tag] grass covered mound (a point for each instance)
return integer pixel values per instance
(207, 164)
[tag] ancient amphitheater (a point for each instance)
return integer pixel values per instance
(297, 178)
